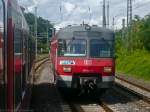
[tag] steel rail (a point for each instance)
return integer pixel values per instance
(74, 108)
(79, 109)
(144, 98)
(105, 107)
(36, 61)
(40, 62)
(136, 85)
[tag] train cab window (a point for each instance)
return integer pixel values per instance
(74, 47)
(101, 48)
(2, 80)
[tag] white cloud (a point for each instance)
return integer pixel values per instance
(65, 23)
(69, 7)
(75, 11)
(80, 10)
(118, 22)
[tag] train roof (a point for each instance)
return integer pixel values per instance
(85, 31)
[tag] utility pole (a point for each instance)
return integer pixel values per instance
(104, 15)
(129, 13)
(35, 31)
(108, 14)
(129, 23)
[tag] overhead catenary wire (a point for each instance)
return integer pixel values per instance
(134, 9)
(90, 14)
(74, 9)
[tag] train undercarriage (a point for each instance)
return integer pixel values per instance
(81, 84)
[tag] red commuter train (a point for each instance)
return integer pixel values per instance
(16, 57)
(83, 58)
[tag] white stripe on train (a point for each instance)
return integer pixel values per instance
(69, 78)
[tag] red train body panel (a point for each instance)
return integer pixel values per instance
(16, 57)
(80, 55)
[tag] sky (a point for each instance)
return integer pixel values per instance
(66, 12)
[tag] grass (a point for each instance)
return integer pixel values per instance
(135, 64)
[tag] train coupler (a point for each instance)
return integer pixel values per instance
(87, 85)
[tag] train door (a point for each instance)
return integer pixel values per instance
(2, 73)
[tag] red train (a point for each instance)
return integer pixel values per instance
(16, 57)
(83, 58)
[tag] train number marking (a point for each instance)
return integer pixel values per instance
(87, 62)
(67, 62)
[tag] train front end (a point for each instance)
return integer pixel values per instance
(86, 60)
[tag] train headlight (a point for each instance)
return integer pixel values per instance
(108, 69)
(67, 69)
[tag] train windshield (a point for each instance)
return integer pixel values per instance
(101, 48)
(74, 47)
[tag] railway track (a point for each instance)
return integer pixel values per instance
(83, 103)
(90, 107)
(37, 68)
(136, 85)
(118, 99)
(115, 100)
(39, 62)
(125, 97)
(139, 91)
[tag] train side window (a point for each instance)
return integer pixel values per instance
(2, 94)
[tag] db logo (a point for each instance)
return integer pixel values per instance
(87, 62)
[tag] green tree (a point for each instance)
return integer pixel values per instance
(140, 34)
(44, 26)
